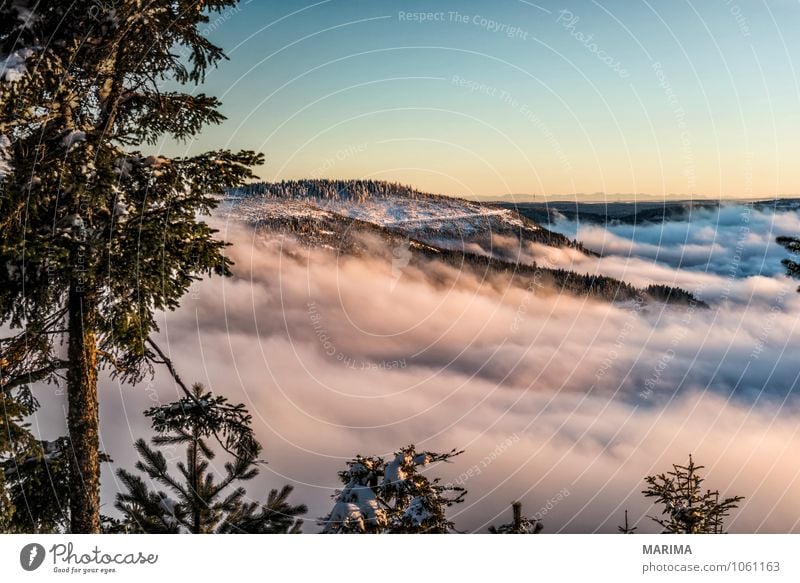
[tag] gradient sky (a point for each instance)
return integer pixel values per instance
(664, 98)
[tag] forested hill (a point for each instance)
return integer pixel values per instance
(336, 215)
(431, 218)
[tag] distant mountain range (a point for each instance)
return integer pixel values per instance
(629, 213)
(343, 216)
(617, 197)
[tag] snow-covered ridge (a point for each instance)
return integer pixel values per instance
(415, 226)
(385, 204)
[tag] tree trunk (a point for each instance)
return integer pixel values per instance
(83, 414)
(517, 510)
(196, 519)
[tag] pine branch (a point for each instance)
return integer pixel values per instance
(171, 368)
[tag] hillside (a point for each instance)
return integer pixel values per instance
(346, 217)
(434, 219)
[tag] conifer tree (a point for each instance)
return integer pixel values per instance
(393, 497)
(627, 528)
(196, 500)
(519, 524)
(96, 236)
(687, 508)
(792, 244)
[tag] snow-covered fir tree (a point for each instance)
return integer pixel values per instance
(96, 236)
(196, 500)
(519, 524)
(686, 507)
(393, 497)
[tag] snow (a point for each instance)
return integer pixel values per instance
(13, 271)
(390, 206)
(256, 210)
(25, 15)
(422, 459)
(120, 205)
(417, 512)
(5, 164)
(345, 516)
(366, 502)
(13, 68)
(73, 221)
(123, 167)
(155, 161)
(394, 473)
(74, 137)
(120, 208)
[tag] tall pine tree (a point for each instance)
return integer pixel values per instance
(95, 236)
(196, 500)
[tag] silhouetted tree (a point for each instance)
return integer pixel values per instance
(626, 529)
(520, 524)
(686, 507)
(195, 501)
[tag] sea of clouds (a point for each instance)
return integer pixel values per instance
(561, 402)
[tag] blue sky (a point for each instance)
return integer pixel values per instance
(490, 98)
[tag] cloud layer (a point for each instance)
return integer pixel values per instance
(547, 394)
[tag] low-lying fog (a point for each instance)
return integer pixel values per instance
(560, 402)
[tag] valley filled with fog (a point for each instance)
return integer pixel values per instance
(562, 402)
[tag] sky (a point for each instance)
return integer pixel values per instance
(488, 99)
